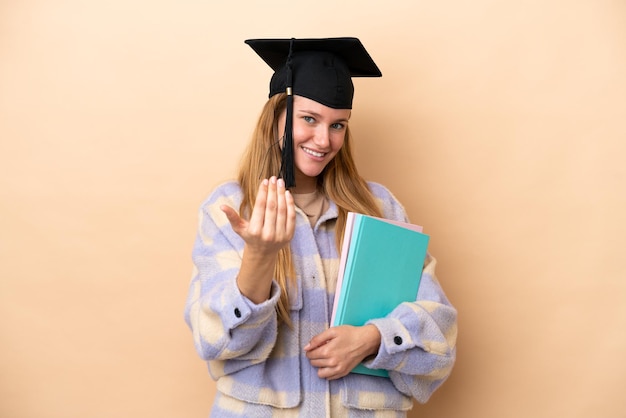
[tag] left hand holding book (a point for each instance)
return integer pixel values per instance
(338, 350)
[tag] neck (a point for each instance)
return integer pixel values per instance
(304, 184)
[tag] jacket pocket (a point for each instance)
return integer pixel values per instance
(265, 383)
(373, 393)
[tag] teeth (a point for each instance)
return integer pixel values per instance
(313, 153)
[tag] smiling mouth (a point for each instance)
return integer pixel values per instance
(313, 153)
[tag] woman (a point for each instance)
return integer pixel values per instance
(266, 261)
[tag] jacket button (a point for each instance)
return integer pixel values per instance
(397, 340)
(238, 313)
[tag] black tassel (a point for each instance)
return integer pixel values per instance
(287, 171)
(287, 164)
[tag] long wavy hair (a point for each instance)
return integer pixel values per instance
(339, 182)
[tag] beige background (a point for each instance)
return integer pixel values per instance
(500, 125)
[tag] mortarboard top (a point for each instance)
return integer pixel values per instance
(275, 52)
(320, 69)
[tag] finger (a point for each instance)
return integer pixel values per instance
(233, 217)
(317, 354)
(269, 224)
(291, 215)
(318, 363)
(258, 211)
(321, 358)
(281, 210)
(325, 372)
(331, 374)
(320, 340)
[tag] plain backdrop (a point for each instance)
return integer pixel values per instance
(499, 124)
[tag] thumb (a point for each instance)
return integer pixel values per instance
(233, 217)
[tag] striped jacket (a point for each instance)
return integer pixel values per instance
(259, 365)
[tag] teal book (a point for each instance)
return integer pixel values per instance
(381, 267)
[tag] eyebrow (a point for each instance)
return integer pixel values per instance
(317, 115)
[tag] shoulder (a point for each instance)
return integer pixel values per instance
(391, 206)
(210, 213)
(227, 193)
(379, 191)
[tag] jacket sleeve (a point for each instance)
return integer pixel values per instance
(418, 344)
(228, 329)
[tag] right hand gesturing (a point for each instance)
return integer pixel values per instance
(272, 223)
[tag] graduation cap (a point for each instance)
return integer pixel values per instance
(319, 69)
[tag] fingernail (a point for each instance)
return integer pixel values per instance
(273, 179)
(281, 183)
(265, 182)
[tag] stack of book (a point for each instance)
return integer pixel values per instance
(381, 267)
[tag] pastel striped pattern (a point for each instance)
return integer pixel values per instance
(259, 366)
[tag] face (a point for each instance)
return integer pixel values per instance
(318, 135)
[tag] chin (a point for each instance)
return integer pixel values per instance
(311, 173)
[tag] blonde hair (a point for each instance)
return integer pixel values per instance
(339, 182)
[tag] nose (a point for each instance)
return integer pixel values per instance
(322, 137)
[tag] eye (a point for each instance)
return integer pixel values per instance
(308, 119)
(338, 126)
